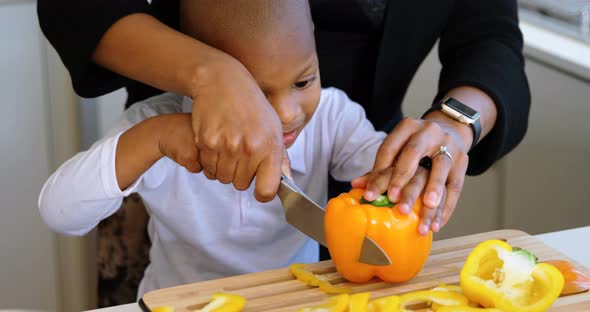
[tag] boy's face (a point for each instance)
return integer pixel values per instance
(287, 71)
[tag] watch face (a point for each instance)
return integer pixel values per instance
(461, 108)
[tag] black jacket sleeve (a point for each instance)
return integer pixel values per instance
(482, 47)
(75, 27)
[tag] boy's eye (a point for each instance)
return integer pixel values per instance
(303, 84)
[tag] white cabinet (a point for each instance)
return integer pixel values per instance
(547, 178)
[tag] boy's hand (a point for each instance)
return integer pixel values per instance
(176, 141)
(237, 133)
(396, 164)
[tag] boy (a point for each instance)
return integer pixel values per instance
(201, 229)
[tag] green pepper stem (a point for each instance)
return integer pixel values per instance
(380, 201)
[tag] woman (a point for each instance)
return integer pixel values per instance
(371, 49)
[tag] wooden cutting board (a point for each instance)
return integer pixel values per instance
(277, 290)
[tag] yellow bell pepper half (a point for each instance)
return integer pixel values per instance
(495, 276)
(221, 302)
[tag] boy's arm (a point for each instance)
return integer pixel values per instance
(140, 147)
(90, 186)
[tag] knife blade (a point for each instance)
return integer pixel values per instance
(308, 217)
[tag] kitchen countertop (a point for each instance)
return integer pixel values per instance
(567, 242)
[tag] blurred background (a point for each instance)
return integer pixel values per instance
(540, 187)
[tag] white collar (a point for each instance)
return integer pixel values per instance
(296, 151)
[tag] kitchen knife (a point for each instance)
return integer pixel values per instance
(308, 217)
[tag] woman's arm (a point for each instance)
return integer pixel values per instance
(140, 47)
(481, 47)
(483, 67)
(74, 29)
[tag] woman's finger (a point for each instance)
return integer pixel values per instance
(208, 160)
(394, 142)
(436, 225)
(361, 182)
(454, 185)
(441, 165)
(244, 174)
(412, 191)
(419, 145)
(377, 183)
(226, 167)
(268, 177)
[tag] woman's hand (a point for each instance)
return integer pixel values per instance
(397, 171)
(431, 218)
(237, 133)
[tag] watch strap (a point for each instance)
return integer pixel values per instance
(475, 126)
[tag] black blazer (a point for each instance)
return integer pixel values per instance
(480, 46)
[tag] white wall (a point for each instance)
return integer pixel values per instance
(28, 260)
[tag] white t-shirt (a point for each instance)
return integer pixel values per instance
(202, 229)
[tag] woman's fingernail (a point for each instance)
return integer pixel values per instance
(436, 227)
(423, 229)
(432, 199)
(369, 196)
(393, 195)
(404, 208)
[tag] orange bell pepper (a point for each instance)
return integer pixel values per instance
(575, 281)
(347, 221)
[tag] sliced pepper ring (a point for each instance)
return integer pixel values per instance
(444, 298)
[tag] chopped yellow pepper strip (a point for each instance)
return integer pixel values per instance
(445, 287)
(163, 309)
(358, 302)
(455, 288)
(334, 304)
(326, 287)
(466, 309)
(446, 298)
(384, 304)
(221, 302)
(298, 270)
